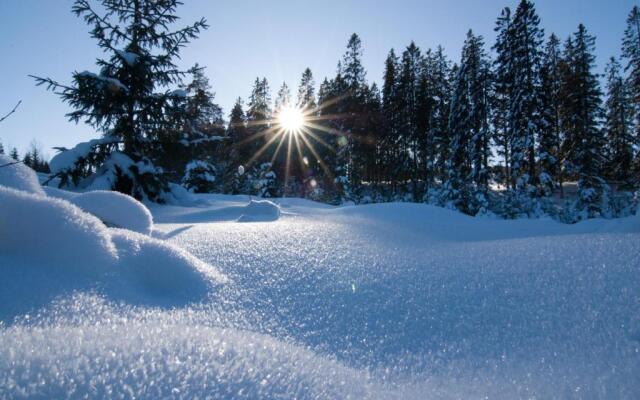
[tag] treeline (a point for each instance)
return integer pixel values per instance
(501, 131)
(33, 158)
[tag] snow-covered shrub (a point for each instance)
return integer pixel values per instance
(199, 177)
(18, 176)
(117, 171)
(263, 181)
(593, 199)
(260, 210)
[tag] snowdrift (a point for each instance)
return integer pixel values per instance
(19, 176)
(380, 301)
(49, 248)
(260, 211)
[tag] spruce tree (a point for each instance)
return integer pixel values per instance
(584, 141)
(283, 98)
(466, 187)
(502, 92)
(306, 99)
(390, 137)
(1, 148)
(353, 155)
(127, 99)
(441, 94)
(239, 154)
(408, 86)
(14, 154)
(258, 115)
(618, 126)
(550, 139)
(631, 53)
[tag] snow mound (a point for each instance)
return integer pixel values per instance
(166, 355)
(50, 247)
(59, 193)
(19, 176)
(155, 272)
(116, 209)
(260, 211)
(37, 226)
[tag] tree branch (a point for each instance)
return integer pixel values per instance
(12, 111)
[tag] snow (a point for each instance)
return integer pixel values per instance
(66, 159)
(260, 210)
(178, 93)
(130, 58)
(377, 301)
(50, 248)
(18, 176)
(116, 210)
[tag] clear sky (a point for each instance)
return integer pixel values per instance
(276, 39)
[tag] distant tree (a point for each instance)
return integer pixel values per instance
(283, 98)
(306, 99)
(618, 125)
(466, 186)
(525, 107)
(550, 137)
(258, 115)
(14, 154)
(128, 98)
(390, 137)
(583, 114)
(502, 92)
(631, 53)
(240, 154)
(1, 148)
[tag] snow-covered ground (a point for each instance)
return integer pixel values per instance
(302, 300)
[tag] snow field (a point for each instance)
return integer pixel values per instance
(380, 301)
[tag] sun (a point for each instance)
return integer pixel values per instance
(291, 119)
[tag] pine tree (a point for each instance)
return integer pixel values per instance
(631, 53)
(618, 129)
(240, 154)
(525, 110)
(258, 115)
(306, 99)
(550, 139)
(408, 87)
(126, 100)
(390, 138)
(1, 148)
(14, 154)
(283, 98)
(502, 92)
(584, 141)
(466, 187)
(439, 76)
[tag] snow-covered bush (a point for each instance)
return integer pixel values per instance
(263, 181)
(199, 177)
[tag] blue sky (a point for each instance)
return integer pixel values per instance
(247, 38)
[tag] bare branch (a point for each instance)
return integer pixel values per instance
(10, 164)
(12, 111)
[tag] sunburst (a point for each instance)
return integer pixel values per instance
(297, 129)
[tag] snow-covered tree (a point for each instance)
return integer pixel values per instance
(200, 177)
(550, 136)
(128, 97)
(466, 185)
(618, 126)
(306, 99)
(582, 116)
